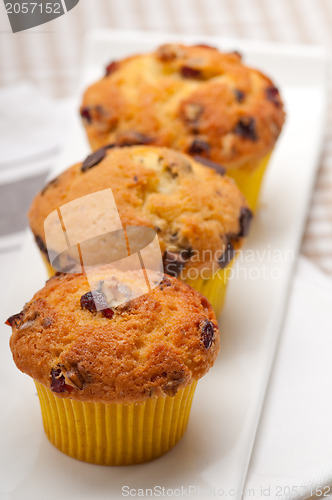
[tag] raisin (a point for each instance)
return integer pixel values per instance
(13, 319)
(93, 159)
(239, 95)
(246, 128)
(86, 114)
(111, 67)
(132, 138)
(96, 301)
(188, 72)
(207, 333)
(272, 94)
(58, 383)
(199, 146)
(212, 164)
(246, 216)
(227, 256)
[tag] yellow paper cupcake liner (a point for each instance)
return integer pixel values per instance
(213, 288)
(249, 179)
(115, 434)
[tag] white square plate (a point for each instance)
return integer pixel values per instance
(215, 451)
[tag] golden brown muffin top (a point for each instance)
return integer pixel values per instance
(194, 99)
(152, 345)
(200, 216)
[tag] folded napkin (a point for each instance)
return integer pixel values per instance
(292, 456)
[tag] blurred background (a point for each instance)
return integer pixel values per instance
(49, 58)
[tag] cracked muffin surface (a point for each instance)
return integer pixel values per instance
(194, 99)
(152, 345)
(200, 216)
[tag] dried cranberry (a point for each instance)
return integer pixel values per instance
(86, 115)
(188, 72)
(227, 256)
(58, 383)
(239, 94)
(93, 159)
(111, 67)
(12, 319)
(246, 216)
(93, 301)
(272, 94)
(212, 164)
(164, 282)
(246, 128)
(96, 301)
(207, 333)
(198, 146)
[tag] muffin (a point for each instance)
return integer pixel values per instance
(194, 99)
(200, 216)
(115, 379)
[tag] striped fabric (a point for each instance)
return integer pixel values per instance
(50, 56)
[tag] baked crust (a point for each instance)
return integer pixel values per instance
(150, 346)
(197, 213)
(194, 99)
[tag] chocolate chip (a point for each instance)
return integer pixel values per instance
(246, 216)
(86, 115)
(272, 94)
(207, 333)
(58, 383)
(199, 146)
(188, 72)
(174, 262)
(246, 128)
(132, 138)
(240, 95)
(93, 159)
(14, 319)
(212, 164)
(227, 256)
(96, 301)
(111, 67)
